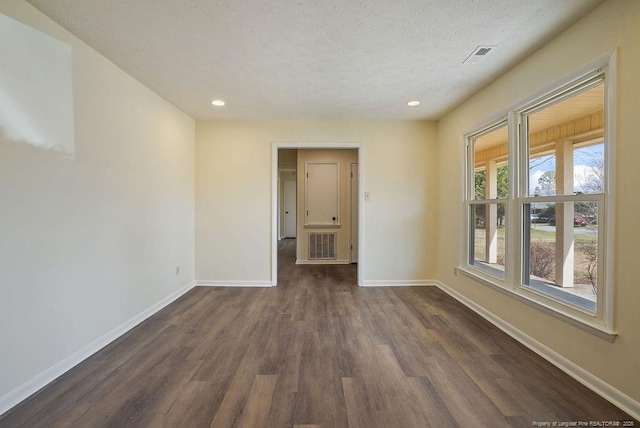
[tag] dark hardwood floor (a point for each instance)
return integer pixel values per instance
(315, 351)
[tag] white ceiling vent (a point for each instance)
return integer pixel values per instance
(479, 54)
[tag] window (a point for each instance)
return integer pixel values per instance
(488, 163)
(538, 191)
(563, 143)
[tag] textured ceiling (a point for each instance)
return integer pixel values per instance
(314, 59)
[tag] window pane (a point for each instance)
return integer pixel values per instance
(588, 169)
(561, 248)
(490, 157)
(566, 149)
(487, 242)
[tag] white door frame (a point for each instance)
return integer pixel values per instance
(275, 146)
(351, 211)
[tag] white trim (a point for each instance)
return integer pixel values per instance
(278, 213)
(351, 216)
(597, 385)
(233, 283)
(513, 237)
(22, 392)
(401, 283)
(274, 198)
(323, 262)
(611, 94)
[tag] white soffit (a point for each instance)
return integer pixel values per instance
(314, 59)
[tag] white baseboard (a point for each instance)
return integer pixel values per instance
(323, 262)
(23, 391)
(400, 283)
(597, 385)
(234, 283)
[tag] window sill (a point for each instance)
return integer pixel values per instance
(593, 325)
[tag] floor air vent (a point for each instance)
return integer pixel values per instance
(322, 246)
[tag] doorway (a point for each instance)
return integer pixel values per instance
(276, 146)
(290, 209)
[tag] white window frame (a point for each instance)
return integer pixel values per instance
(470, 199)
(599, 323)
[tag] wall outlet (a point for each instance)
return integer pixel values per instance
(177, 270)
(367, 196)
(455, 271)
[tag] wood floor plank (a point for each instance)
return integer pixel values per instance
(259, 401)
(195, 406)
(237, 394)
(360, 411)
(315, 351)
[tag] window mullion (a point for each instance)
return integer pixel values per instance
(514, 252)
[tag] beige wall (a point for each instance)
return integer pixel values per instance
(233, 195)
(92, 240)
(345, 157)
(615, 23)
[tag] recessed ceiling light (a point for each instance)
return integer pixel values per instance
(217, 103)
(413, 103)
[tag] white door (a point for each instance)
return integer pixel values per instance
(289, 209)
(354, 212)
(322, 192)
